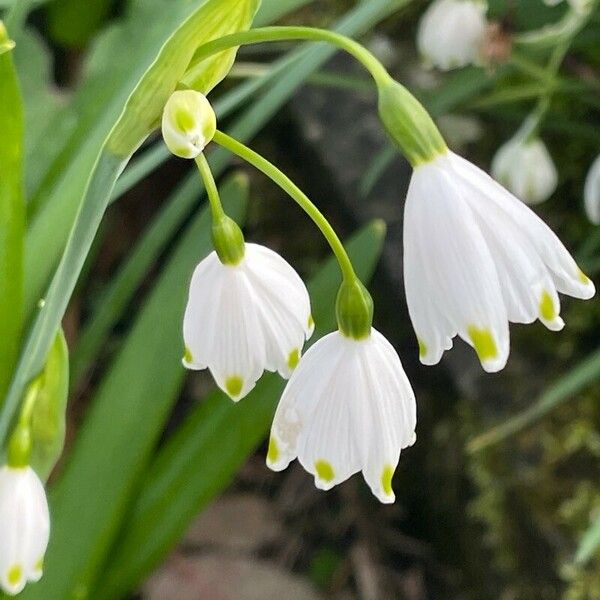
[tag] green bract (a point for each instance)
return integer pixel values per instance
(408, 123)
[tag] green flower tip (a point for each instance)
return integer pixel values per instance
(386, 480)
(234, 385)
(354, 310)
(483, 342)
(324, 470)
(273, 451)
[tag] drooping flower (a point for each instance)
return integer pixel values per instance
(525, 167)
(591, 192)
(24, 527)
(188, 123)
(246, 317)
(348, 407)
(475, 258)
(452, 32)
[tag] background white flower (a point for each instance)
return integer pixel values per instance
(451, 33)
(591, 192)
(525, 168)
(242, 319)
(348, 407)
(24, 528)
(475, 257)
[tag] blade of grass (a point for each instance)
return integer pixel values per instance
(563, 390)
(12, 215)
(590, 542)
(203, 456)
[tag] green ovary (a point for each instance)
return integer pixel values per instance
(386, 479)
(234, 385)
(324, 470)
(547, 310)
(484, 342)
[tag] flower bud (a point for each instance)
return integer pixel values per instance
(591, 192)
(451, 33)
(188, 123)
(354, 310)
(525, 168)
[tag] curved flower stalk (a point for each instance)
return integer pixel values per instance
(348, 407)
(577, 5)
(25, 527)
(475, 258)
(524, 166)
(244, 318)
(591, 192)
(451, 33)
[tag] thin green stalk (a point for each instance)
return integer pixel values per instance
(288, 186)
(216, 208)
(275, 34)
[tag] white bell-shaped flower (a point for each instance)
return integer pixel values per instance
(24, 528)
(475, 258)
(348, 407)
(525, 167)
(591, 192)
(451, 33)
(188, 123)
(244, 318)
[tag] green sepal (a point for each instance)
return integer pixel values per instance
(228, 240)
(408, 123)
(354, 309)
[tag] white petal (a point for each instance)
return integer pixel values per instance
(525, 167)
(347, 407)
(451, 33)
(567, 277)
(591, 192)
(456, 261)
(25, 527)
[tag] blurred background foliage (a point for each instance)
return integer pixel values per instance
(499, 498)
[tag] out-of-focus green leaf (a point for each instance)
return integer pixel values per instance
(123, 424)
(202, 457)
(48, 418)
(12, 214)
(560, 392)
(165, 36)
(590, 542)
(71, 26)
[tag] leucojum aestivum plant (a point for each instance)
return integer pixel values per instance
(475, 259)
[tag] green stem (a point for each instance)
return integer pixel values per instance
(274, 34)
(216, 208)
(288, 186)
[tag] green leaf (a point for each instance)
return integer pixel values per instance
(590, 543)
(560, 392)
(48, 418)
(204, 455)
(124, 423)
(12, 215)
